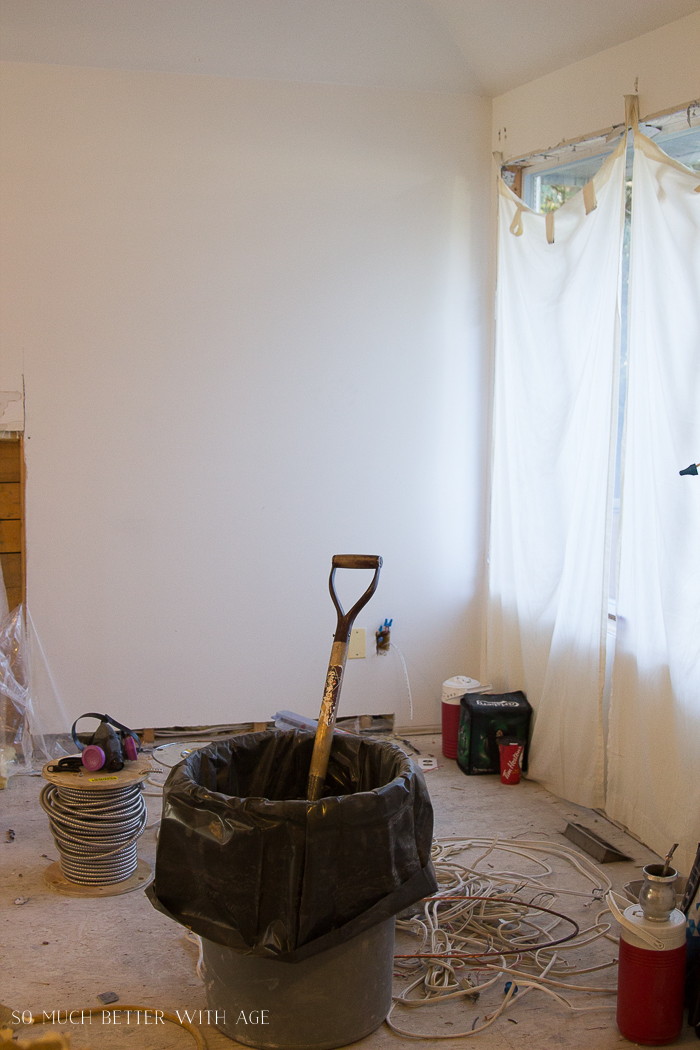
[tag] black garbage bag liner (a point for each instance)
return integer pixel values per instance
(244, 860)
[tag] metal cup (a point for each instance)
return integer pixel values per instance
(658, 893)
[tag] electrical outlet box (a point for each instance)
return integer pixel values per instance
(357, 646)
(383, 636)
(428, 763)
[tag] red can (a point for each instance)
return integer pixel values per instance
(511, 757)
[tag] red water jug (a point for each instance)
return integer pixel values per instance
(651, 974)
(452, 692)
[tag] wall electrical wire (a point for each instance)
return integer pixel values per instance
(405, 674)
(475, 924)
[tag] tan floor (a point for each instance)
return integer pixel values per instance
(121, 944)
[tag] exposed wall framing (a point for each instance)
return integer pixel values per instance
(12, 545)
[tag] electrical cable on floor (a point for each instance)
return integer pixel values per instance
(196, 939)
(157, 784)
(158, 793)
(90, 1010)
(476, 920)
(96, 832)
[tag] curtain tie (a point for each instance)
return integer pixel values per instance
(516, 227)
(632, 112)
(549, 226)
(589, 198)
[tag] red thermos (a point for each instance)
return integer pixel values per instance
(651, 970)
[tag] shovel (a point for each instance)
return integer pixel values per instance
(336, 666)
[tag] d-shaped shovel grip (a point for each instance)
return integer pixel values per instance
(336, 667)
(352, 561)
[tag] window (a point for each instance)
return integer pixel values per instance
(555, 178)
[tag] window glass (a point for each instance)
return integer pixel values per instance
(550, 188)
(682, 145)
(546, 188)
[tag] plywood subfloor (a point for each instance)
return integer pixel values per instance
(121, 944)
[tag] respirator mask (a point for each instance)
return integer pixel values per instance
(107, 749)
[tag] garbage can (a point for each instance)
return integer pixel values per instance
(328, 1000)
(290, 895)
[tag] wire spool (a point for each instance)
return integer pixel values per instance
(96, 821)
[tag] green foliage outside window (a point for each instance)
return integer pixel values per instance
(552, 197)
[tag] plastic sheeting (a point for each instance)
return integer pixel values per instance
(24, 742)
(246, 861)
(16, 714)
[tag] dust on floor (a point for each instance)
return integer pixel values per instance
(61, 953)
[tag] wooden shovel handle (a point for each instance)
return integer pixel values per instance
(336, 668)
(356, 561)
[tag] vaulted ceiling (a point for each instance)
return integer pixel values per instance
(481, 46)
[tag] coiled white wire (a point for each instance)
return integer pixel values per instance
(96, 832)
(452, 932)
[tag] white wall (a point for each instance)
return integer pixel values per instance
(588, 96)
(252, 321)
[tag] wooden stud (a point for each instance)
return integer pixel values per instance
(23, 536)
(9, 460)
(10, 499)
(12, 519)
(10, 537)
(12, 575)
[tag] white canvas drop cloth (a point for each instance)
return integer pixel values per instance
(654, 745)
(554, 420)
